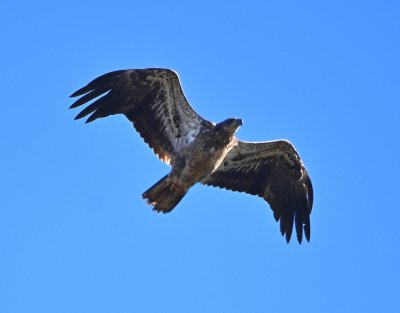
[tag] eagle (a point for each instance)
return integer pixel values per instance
(200, 151)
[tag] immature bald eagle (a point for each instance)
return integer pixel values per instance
(199, 150)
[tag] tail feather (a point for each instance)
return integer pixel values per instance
(164, 195)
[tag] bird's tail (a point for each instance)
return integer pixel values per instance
(164, 195)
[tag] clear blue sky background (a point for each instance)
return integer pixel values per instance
(75, 235)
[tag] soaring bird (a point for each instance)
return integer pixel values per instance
(199, 150)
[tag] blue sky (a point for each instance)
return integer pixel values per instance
(75, 235)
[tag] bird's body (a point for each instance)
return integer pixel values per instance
(201, 151)
(205, 154)
(194, 162)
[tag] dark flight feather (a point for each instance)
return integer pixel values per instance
(152, 99)
(271, 170)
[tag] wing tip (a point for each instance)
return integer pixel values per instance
(301, 222)
(75, 94)
(83, 90)
(75, 104)
(91, 118)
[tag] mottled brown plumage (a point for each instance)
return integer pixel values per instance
(198, 150)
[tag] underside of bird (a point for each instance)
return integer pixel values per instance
(194, 162)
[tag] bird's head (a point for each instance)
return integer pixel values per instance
(230, 125)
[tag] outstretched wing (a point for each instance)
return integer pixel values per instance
(272, 170)
(153, 100)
